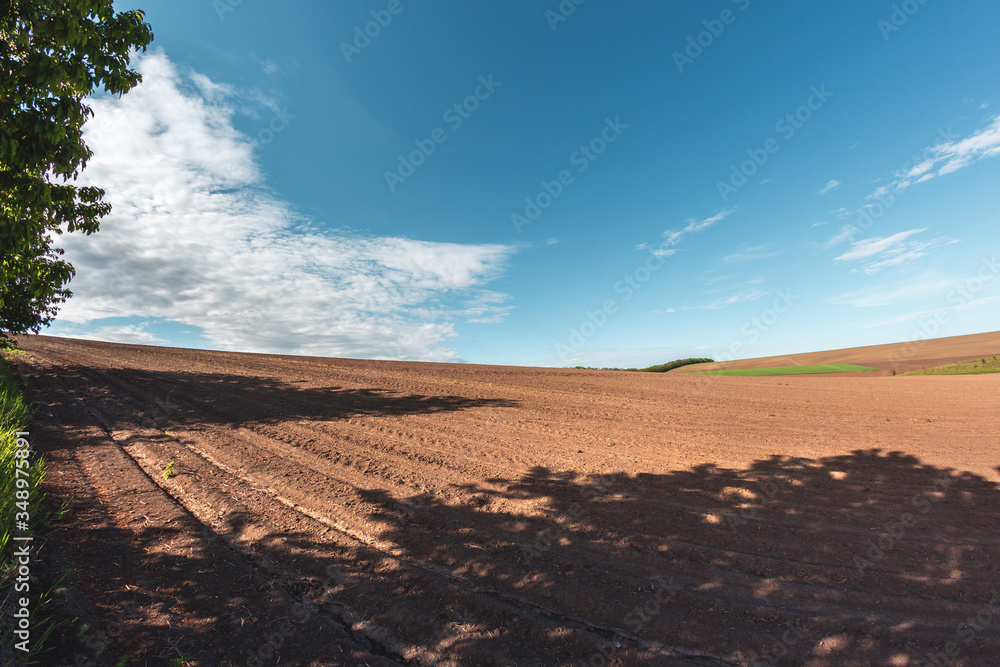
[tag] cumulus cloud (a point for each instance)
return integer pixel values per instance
(196, 237)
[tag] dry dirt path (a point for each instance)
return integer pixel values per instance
(340, 512)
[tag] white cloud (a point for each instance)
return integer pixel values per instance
(726, 301)
(830, 187)
(195, 237)
(889, 251)
(878, 296)
(948, 157)
(714, 279)
(135, 334)
(673, 237)
(924, 314)
(610, 358)
(874, 246)
(750, 254)
(847, 233)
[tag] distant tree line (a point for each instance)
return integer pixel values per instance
(659, 368)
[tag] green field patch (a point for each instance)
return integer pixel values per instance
(791, 370)
(974, 367)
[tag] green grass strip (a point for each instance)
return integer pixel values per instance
(790, 370)
(14, 416)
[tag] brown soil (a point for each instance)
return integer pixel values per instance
(900, 357)
(343, 512)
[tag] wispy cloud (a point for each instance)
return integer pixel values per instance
(950, 156)
(673, 237)
(196, 237)
(889, 250)
(916, 289)
(924, 314)
(752, 253)
(874, 246)
(830, 187)
(135, 334)
(628, 358)
(267, 66)
(726, 301)
(712, 279)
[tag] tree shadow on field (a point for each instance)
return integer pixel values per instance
(864, 558)
(190, 397)
(860, 559)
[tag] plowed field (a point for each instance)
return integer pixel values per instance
(342, 512)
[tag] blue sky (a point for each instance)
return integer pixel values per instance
(518, 183)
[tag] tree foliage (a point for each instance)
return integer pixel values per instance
(53, 54)
(659, 368)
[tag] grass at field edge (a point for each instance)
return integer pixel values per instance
(974, 367)
(14, 417)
